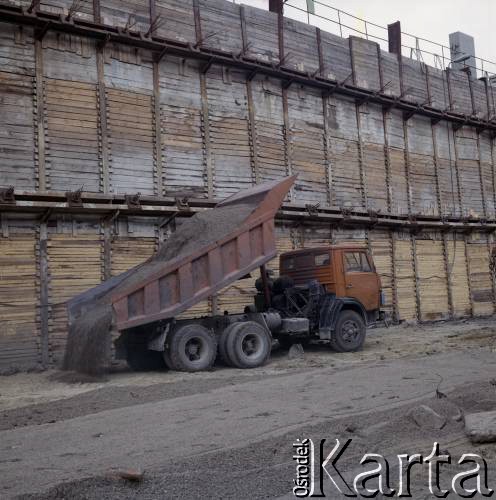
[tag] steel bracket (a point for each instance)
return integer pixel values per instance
(133, 200)
(182, 204)
(74, 198)
(7, 196)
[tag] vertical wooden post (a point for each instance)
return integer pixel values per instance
(252, 123)
(327, 152)
(288, 140)
(493, 167)
(326, 133)
(481, 177)
(280, 33)
(320, 52)
(157, 127)
(457, 172)
(436, 170)
(197, 17)
(417, 279)
(102, 121)
(363, 181)
(107, 248)
(43, 293)
(448, 272)
(40, 118)
(207, 148)
(492, 277)
(407, 168)
(469, 273)
(387, 155)
(253, 140)
(394, 282)
(96, 11)
(153, 11)
(434, 148)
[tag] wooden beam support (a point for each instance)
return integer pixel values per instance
(328, 153)
(97, 11)
(394, 278)
(253, 139)
(207, 147)
(469, 273)
(418, 302)
(481, 178)
(39, 118)
(448, 273)
(157, 129)
(288, 141)
(44, 298)
(103, 153)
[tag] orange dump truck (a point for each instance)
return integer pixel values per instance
(328, 295)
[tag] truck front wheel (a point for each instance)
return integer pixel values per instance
(191, 348)
(349, 334)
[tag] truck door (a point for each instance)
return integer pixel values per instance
(361, 280)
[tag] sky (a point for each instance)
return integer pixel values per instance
(431, 19)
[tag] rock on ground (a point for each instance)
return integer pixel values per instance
(481, 427)
(426, 417)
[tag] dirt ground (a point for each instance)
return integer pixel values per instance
(189, 453)
(33, 390)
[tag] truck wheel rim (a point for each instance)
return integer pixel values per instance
(194, 349)
(350, 331)
(251, 345)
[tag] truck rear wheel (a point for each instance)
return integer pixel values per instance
(248, 345)
(224, 356)
(191, 348)
(349, 334)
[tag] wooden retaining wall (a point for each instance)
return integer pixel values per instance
(112, 119)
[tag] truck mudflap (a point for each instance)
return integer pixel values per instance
(330, 308)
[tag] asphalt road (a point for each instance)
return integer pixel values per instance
(160, 435)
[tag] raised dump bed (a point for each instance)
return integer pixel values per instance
(167, 288)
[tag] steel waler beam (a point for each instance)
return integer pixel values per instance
(101, 205)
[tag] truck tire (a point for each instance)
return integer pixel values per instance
(248, 345)
(349, 334)
(224, 356)
(192, 348)
(140, 359)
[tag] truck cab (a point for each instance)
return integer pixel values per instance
(326, 294)
(345, 271)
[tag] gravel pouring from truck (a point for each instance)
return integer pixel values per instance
(312, 300)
